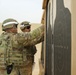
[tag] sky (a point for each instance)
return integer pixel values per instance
(21, 10)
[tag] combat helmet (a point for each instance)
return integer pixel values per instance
(24, 24)
(8, 23)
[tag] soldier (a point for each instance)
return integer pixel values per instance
(12, 61)
(30, 51)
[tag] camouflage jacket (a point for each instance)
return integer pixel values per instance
(30, 50)
(28, 54)
(11, 45)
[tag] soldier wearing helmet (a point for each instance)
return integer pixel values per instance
(10, 24)
(12, 59)
(25, 26)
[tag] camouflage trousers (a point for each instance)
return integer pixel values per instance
(25, 70)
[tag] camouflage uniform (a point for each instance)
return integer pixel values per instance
(30, 50)
(11, 53)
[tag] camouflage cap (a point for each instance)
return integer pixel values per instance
(8, 23)
(24, 24)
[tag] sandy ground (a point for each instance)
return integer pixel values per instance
(37, 57)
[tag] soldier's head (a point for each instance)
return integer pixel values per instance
(25, 26)
(10, 25)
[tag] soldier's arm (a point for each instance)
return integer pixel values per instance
(34, 50)
(31, 38)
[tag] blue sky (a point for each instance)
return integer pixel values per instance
(30, 10)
